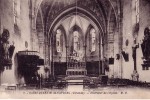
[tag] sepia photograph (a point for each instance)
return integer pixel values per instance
(74, 49)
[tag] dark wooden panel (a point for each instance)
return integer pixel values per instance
(60, 68)
(92, 68)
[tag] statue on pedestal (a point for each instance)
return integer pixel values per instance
(145, 45)
(135, 76)
(146, 48)
(6, 50)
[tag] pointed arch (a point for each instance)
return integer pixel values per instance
(61, 27)
(75, 29)
(62, 39)
(88, 40)
(80, 10)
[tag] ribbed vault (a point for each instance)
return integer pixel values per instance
(100, 9)
(104, 13)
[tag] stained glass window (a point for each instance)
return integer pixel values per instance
(93, 40)
(58, 41)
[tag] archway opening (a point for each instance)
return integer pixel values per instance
(82, 39)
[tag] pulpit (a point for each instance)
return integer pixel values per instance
(28, 64)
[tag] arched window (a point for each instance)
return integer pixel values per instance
(76, 43)
(137, 10)
(58, 40)
(92, 40)
(16, 11)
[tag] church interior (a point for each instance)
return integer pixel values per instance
(45, 41)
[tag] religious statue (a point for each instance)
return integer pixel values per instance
(6, 50)
(145, 45)
(76, 41)
(135, 76)
(4, 44)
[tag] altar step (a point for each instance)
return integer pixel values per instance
(76, 77)
(78, 72)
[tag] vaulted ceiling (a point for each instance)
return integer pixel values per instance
(50, 9)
